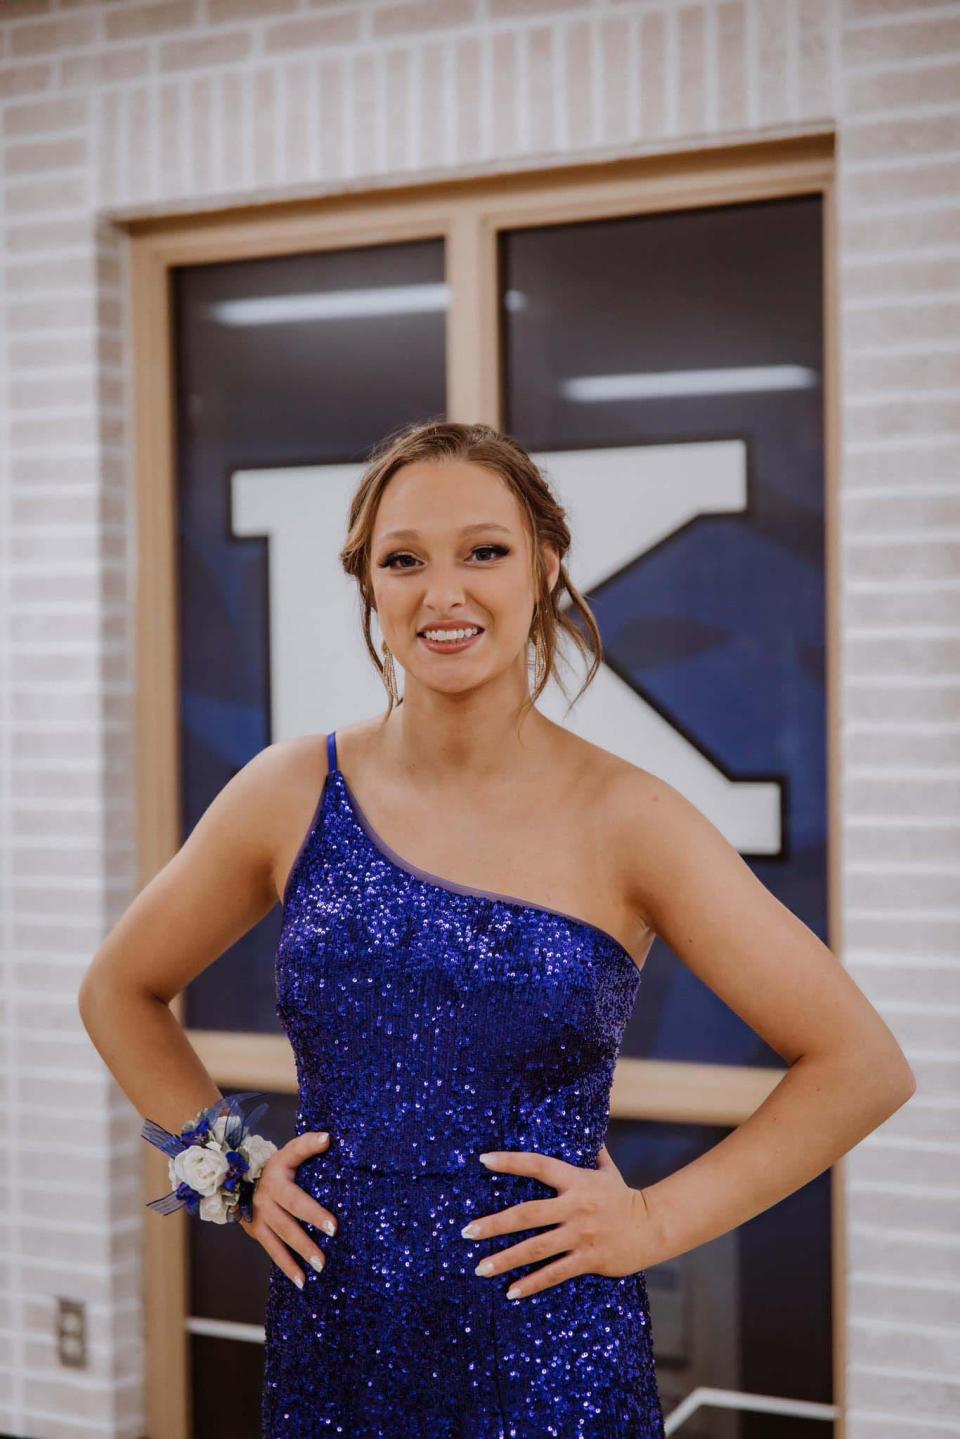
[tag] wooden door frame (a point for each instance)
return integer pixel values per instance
(468, 214)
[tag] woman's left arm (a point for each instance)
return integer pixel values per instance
(847, 1072)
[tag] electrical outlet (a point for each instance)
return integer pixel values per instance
(72, 1333)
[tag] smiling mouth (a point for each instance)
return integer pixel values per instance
(453, 645)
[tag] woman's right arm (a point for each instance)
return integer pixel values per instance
(221, 882)
(214, 889)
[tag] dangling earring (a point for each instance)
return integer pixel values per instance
(390, 675)
(540, 649)
(541, 671)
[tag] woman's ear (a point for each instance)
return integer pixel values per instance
(551, 565)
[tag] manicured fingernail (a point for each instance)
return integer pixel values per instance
(484, 1158)
(469, 1231)
(322, 1134)
(298, 1280)
(317, 1262)
(329, 1227)
(484, 1267)
(513, 1292)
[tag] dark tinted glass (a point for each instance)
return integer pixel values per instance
(650, 334)
(304, 360)
(630, 344)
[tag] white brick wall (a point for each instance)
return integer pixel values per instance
(899, 205)
(149, 104)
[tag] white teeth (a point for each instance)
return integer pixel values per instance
(451, 635)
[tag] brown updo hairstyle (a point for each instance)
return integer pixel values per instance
(482, 445)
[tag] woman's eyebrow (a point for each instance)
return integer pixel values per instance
(466, 529)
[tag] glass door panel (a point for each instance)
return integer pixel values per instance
(666, 370)
(298, 363)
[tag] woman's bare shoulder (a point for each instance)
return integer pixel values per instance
(613, 779)
(290, 776)
(632, 807)
(637, 802)
(290, 761)
(668, 847)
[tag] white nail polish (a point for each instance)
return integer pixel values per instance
(468, 1231)
(328, 1226)
(317, 1262)
(298, 1280)
(513, 1292)
(484, 1267)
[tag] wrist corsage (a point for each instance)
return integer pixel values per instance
(215, 1161)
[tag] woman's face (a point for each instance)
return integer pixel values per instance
(450, 550)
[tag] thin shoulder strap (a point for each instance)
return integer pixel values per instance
(332, 751)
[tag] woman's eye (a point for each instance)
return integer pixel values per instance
(388, 563)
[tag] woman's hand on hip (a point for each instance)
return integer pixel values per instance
(278, 1202)
(601, 1225)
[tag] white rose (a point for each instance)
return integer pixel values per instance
(217, 1129)
(203, 1169)
(257, 1150)
(214, 1207)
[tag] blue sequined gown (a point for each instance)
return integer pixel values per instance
(431, 1022)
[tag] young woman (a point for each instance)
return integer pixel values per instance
(469, 892)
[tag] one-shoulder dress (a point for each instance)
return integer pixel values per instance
(432, 1022)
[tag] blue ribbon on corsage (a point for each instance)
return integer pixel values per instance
(215, 1162)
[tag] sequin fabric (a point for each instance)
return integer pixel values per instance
(432, 1022)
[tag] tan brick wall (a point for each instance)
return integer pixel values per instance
(123, 104)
